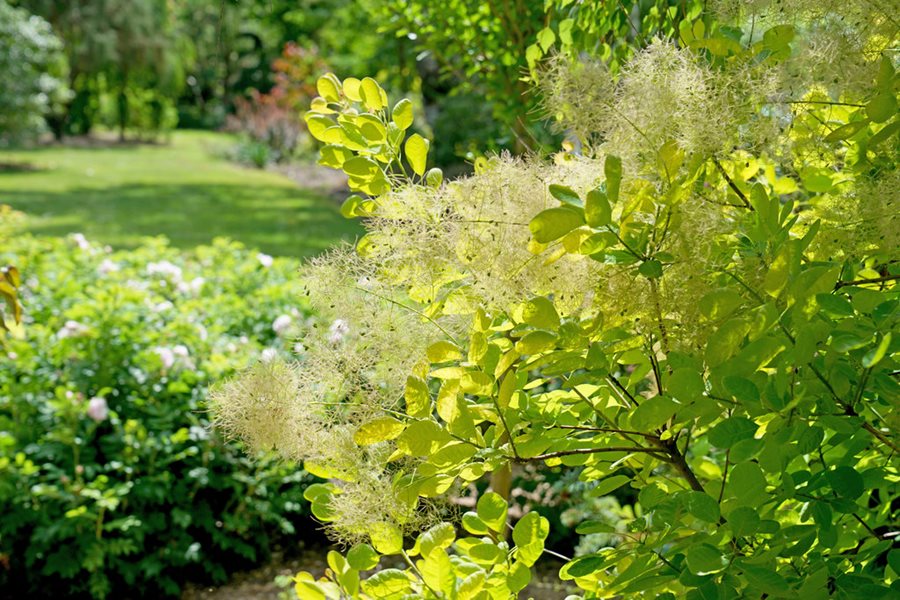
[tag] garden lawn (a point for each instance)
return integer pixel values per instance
(184, 190)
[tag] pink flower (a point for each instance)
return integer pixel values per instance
(97, 409)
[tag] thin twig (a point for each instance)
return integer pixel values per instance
(841, 284)
(733, 185)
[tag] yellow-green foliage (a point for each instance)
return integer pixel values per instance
(700, 303)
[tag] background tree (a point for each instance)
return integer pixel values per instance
(31, 65)
(114, 47)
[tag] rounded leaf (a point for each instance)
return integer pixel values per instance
(402, 114)
(363, 557)
(553, 223)
(492, 509)
(416, 149)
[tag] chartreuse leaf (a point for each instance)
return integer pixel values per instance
(845, 131)
(329, 87)
(612, 169)
(539, 312)
(443, 351)
(386, 538)
(652, 413)
(553, 223)
(371, 94)
(416, 149)
(363, 557)
(519, 577)
(473, 524)
(609, 485)
(535, 342)
(417, 396)
(492, 509)
(874, 356)
(402, 114)
(882, 107)
(351, 89)
(719, 304)
(437, 571)
(597, 211)
(306, 587)
(529, 535)
(564, 194)
(378, 430)
(317, 125)
(387, 583)
(434, 177)
(438, 537)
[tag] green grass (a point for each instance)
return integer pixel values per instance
(184, 190)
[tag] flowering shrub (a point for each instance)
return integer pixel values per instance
(699, 307)
(271, 122)
(111, 482)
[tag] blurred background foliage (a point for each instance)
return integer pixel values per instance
(145, 66)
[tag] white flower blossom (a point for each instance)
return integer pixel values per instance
(162, 306)
(81, 241)
(164, 268)
(166, 356)
(108, 266)
(264, 259)
(268, 355)
(72, 329)
(338, 329)
(97, 409)
(281, 324)
(192, 287)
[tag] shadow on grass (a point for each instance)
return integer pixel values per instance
(276, 219)
(18, 167)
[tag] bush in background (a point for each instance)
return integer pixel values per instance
(31, 62)
(110, 480)
(270, 123)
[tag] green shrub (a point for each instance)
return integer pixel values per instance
(110, 480)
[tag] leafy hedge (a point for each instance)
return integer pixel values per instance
(110, 479)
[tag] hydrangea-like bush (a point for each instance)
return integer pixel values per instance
(111, 482)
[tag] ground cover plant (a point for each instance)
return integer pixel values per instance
(699, 305)
(111, 482)
(118, 194)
